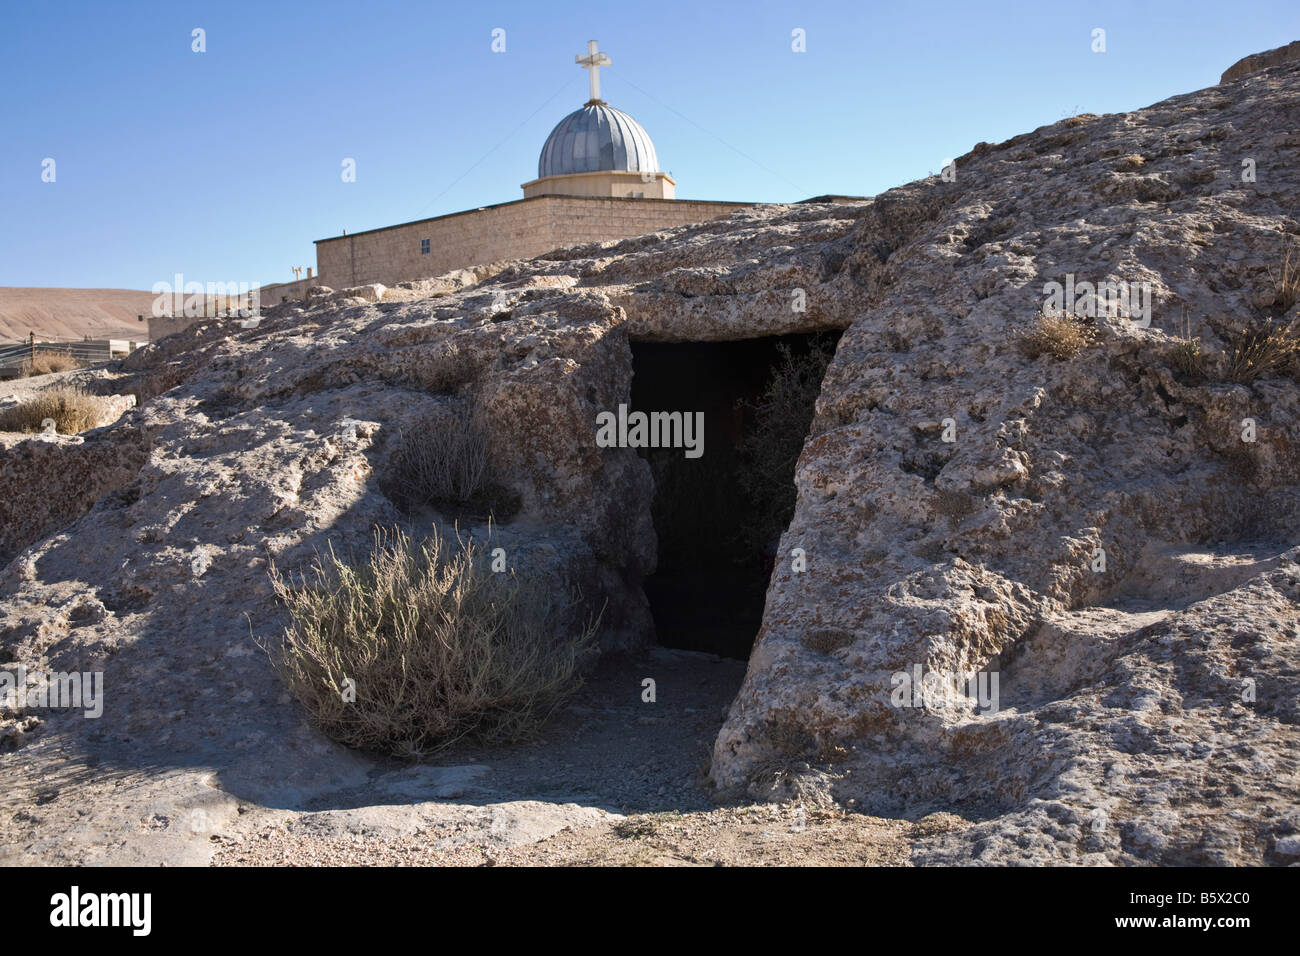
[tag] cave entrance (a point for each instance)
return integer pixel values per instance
(719, 517)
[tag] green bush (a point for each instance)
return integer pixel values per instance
(438, 647)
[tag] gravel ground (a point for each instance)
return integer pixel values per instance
(751, 835)
(612, 780)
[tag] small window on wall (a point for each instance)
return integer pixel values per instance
(424, 247)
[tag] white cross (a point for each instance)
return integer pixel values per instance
(593, 61)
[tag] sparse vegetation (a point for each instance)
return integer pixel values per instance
(437, 644)
(1260, 350)
(1060, 335)
(1187, 356)
(46, 361)
(782, 419)
(446, 466)
(72, 409)
(1284, 290)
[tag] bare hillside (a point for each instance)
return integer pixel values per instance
(73, 313)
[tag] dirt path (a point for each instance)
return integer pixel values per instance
(613, 780)
(754, 835)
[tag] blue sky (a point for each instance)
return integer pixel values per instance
(225, 165)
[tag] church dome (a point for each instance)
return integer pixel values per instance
(594, 139)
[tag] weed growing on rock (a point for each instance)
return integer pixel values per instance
(1061, 336)
(1260, 350)
(420, 644)
(446, 466)
(1187, 357)
(1284, 292)
(72, 409)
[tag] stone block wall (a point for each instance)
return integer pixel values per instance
(519, 229)
(272, 295)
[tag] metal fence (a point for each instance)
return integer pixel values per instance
(16, 355)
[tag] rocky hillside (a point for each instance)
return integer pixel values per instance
(1093, 528)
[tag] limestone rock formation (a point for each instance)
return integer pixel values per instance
(1262, 61)
(1098, 533)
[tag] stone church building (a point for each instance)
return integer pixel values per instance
(598, 178)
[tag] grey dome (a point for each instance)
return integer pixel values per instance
(595, 139)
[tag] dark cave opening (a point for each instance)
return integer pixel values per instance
(719, 517)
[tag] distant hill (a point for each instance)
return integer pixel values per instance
(73, 313)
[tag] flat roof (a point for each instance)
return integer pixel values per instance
(834, 198)
(515, 202)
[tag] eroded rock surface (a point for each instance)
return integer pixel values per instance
(1262, 61)
(1125, 730)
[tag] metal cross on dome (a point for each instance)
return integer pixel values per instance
(593, 61)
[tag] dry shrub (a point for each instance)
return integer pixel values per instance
(1187, 357)
(47, 361)
(72, 409)
(1260, 350)
(1061, 336)
(783, 417)
(438, 645)
(1285, 290)
(446, 466)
